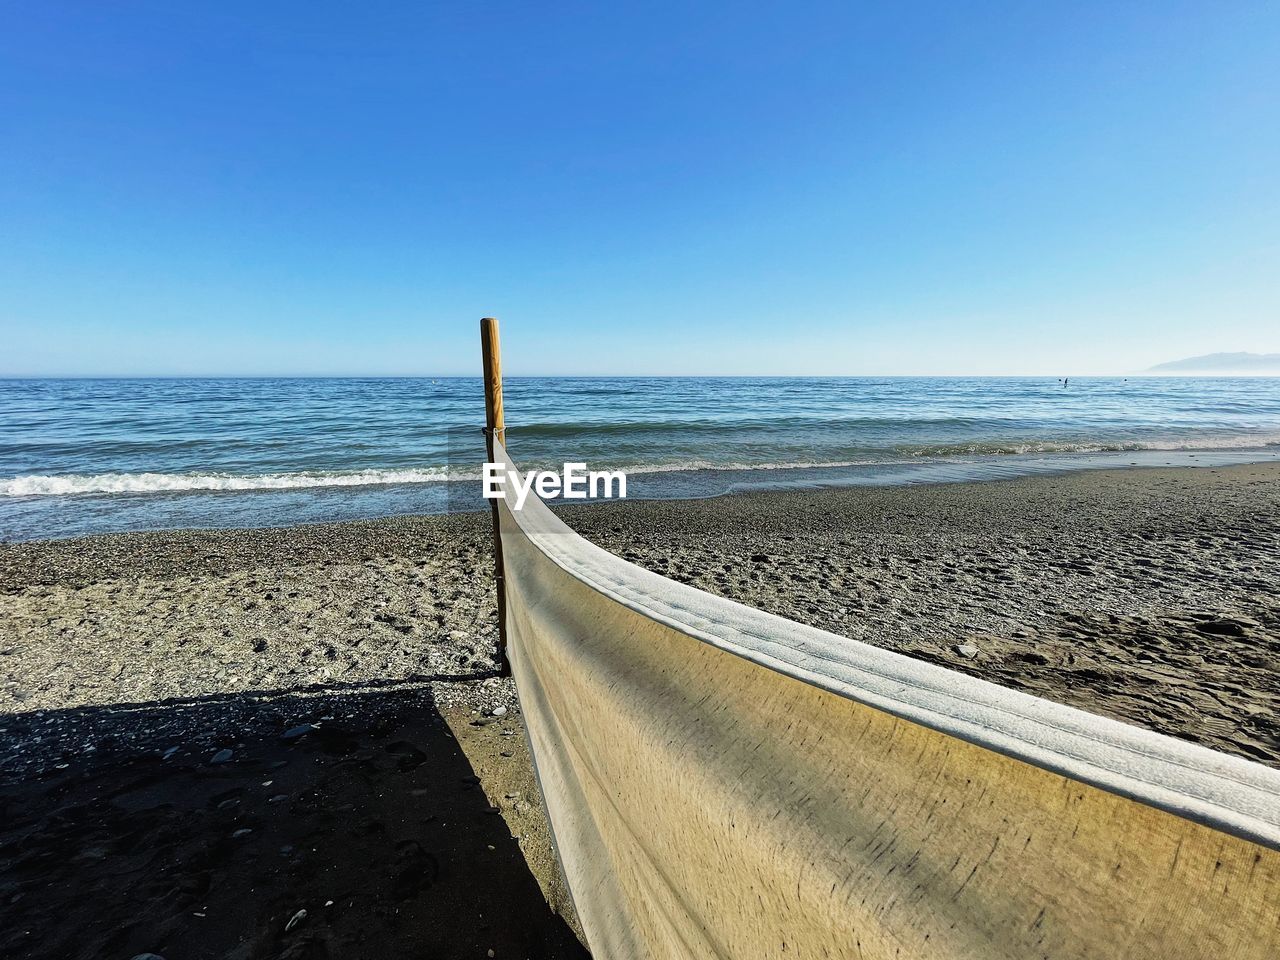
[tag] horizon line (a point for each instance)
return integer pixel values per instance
(1144, 374)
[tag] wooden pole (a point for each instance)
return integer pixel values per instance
(495, 429)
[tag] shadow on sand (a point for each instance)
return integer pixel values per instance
(373, 824)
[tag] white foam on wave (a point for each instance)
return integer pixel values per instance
(1257, 441)
(39, 485)
(904, 454)
(70, 484)
(683, 466)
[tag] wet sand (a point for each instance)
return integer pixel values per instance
(348, 670)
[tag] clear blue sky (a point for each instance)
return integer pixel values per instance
(316, 188)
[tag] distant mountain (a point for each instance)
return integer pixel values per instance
(1229, 363)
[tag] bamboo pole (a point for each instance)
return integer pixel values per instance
(495, 429)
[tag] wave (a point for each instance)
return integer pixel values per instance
(688, 466)
(143, 483)
(1029, 447)
(720, 425)
(71, 484)
(53, 485)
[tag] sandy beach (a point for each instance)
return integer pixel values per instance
(206, 733)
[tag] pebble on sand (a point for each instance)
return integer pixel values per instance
(967, 650)
(301, 730)
(222, 756)
(296, 919)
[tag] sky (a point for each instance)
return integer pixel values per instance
(794, 188)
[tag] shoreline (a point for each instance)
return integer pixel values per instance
(303, 505)
(129, 661)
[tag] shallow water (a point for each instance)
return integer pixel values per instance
(88, 456)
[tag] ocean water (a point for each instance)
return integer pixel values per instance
(92, 456)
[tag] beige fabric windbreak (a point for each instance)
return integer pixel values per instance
(722, 782)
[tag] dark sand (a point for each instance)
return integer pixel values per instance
(1146, 595)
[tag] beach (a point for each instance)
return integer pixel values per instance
(329, 689)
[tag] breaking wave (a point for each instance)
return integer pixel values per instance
(71, 484)
(41, 485)
(1029, 447)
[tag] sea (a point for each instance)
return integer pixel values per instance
(80, 456)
